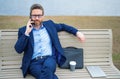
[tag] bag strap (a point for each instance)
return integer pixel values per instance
(71, 47)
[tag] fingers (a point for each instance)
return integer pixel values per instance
(29, 27)
(29, 23)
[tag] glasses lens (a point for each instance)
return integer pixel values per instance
(34, 16)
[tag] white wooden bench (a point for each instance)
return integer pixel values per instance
(97, 52)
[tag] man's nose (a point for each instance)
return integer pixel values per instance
(36, 17)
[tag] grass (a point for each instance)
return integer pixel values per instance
(116, 60)
(80, 22)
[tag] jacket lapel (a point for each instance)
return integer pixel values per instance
(31, 38)
(52, 33)
(48, 29)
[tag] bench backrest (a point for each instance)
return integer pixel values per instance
(97, 48)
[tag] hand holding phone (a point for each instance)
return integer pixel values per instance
(29, 27)
(32, 24)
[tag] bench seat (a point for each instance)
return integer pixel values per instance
(97, 52)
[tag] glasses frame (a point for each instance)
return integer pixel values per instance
(35, 16)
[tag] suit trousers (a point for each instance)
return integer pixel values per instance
(43, 68)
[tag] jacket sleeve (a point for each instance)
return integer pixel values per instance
(67, 28)
(21, 42)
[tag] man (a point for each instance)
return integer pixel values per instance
(40, 44)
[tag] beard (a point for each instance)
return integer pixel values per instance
(37, 23)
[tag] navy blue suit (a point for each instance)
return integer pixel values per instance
(25, 44)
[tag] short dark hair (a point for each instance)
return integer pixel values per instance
(36, 6)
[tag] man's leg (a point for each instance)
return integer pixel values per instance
(35, 68)
(39, 71)
(50, 63)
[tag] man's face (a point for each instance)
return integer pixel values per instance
(37, 16)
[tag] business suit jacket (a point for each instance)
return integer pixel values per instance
(25, 44)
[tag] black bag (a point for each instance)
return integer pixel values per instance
(73, 54)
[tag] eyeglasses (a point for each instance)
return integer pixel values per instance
(34, 16)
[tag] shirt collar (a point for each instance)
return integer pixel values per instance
(41, 27)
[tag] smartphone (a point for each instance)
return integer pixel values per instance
(32, 23)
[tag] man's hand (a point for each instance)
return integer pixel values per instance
(80, 36)
(28, 28)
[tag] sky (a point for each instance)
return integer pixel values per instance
(62, 7)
